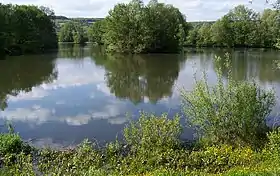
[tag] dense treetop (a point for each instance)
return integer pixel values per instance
(26, 29)
(137, 28)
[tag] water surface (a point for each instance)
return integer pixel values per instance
(78, 92)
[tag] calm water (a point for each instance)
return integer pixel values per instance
(76, 93)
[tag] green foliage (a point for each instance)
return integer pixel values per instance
(204, 35)
(72, 32)
(270, 27)
(222, 32)
(79, 161)
(19, 165)
(241, 27)
(152, 147)
(192, 37)
(96, 32)
(232, 113)
(136, 28)
(273, 146)
(218, 159)
(26, 29)
(12, 144)
(153, 143)
(151, 132)
(244, 25)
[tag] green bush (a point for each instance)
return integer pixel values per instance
(12, 144)
(153, 143)
(70, 162)
(19, 165)
(151, 133)
(232, 113)
(151, 146)
(273, 146)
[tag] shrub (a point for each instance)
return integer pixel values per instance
(273, 146)
(153, 143)
(153, 133)
(79, 161)
(19, 165)
(217, 159)
(232, 113)
(11, 143)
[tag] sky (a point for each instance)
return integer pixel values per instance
(195, 10)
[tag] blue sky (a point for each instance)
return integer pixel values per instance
(195, 10)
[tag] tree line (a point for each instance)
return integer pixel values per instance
(240, 27)
(136, 27)
(26, 29)
(157, 27)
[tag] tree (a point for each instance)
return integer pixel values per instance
(269, 26)
(72, 32)
(65, 33)
(96, 32)
(26, 29)
(222, 32)
(241, 27)
(244, 25)
(136, 28)
(204, 35)
(192, 37)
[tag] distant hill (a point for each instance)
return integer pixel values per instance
(61, 18)
(83, 20)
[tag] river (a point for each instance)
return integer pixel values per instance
(63, 97)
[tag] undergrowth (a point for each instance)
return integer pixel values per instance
(145, 153)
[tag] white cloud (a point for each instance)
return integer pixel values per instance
(117, 121)
(193, 9)
(78, 120)
(34, 94)
(36, 114)
(111, 111)
(85, 72)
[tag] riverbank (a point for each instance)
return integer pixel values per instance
(232, 139)
(151, 147)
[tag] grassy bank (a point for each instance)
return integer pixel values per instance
(152, 147)
(232, 140)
